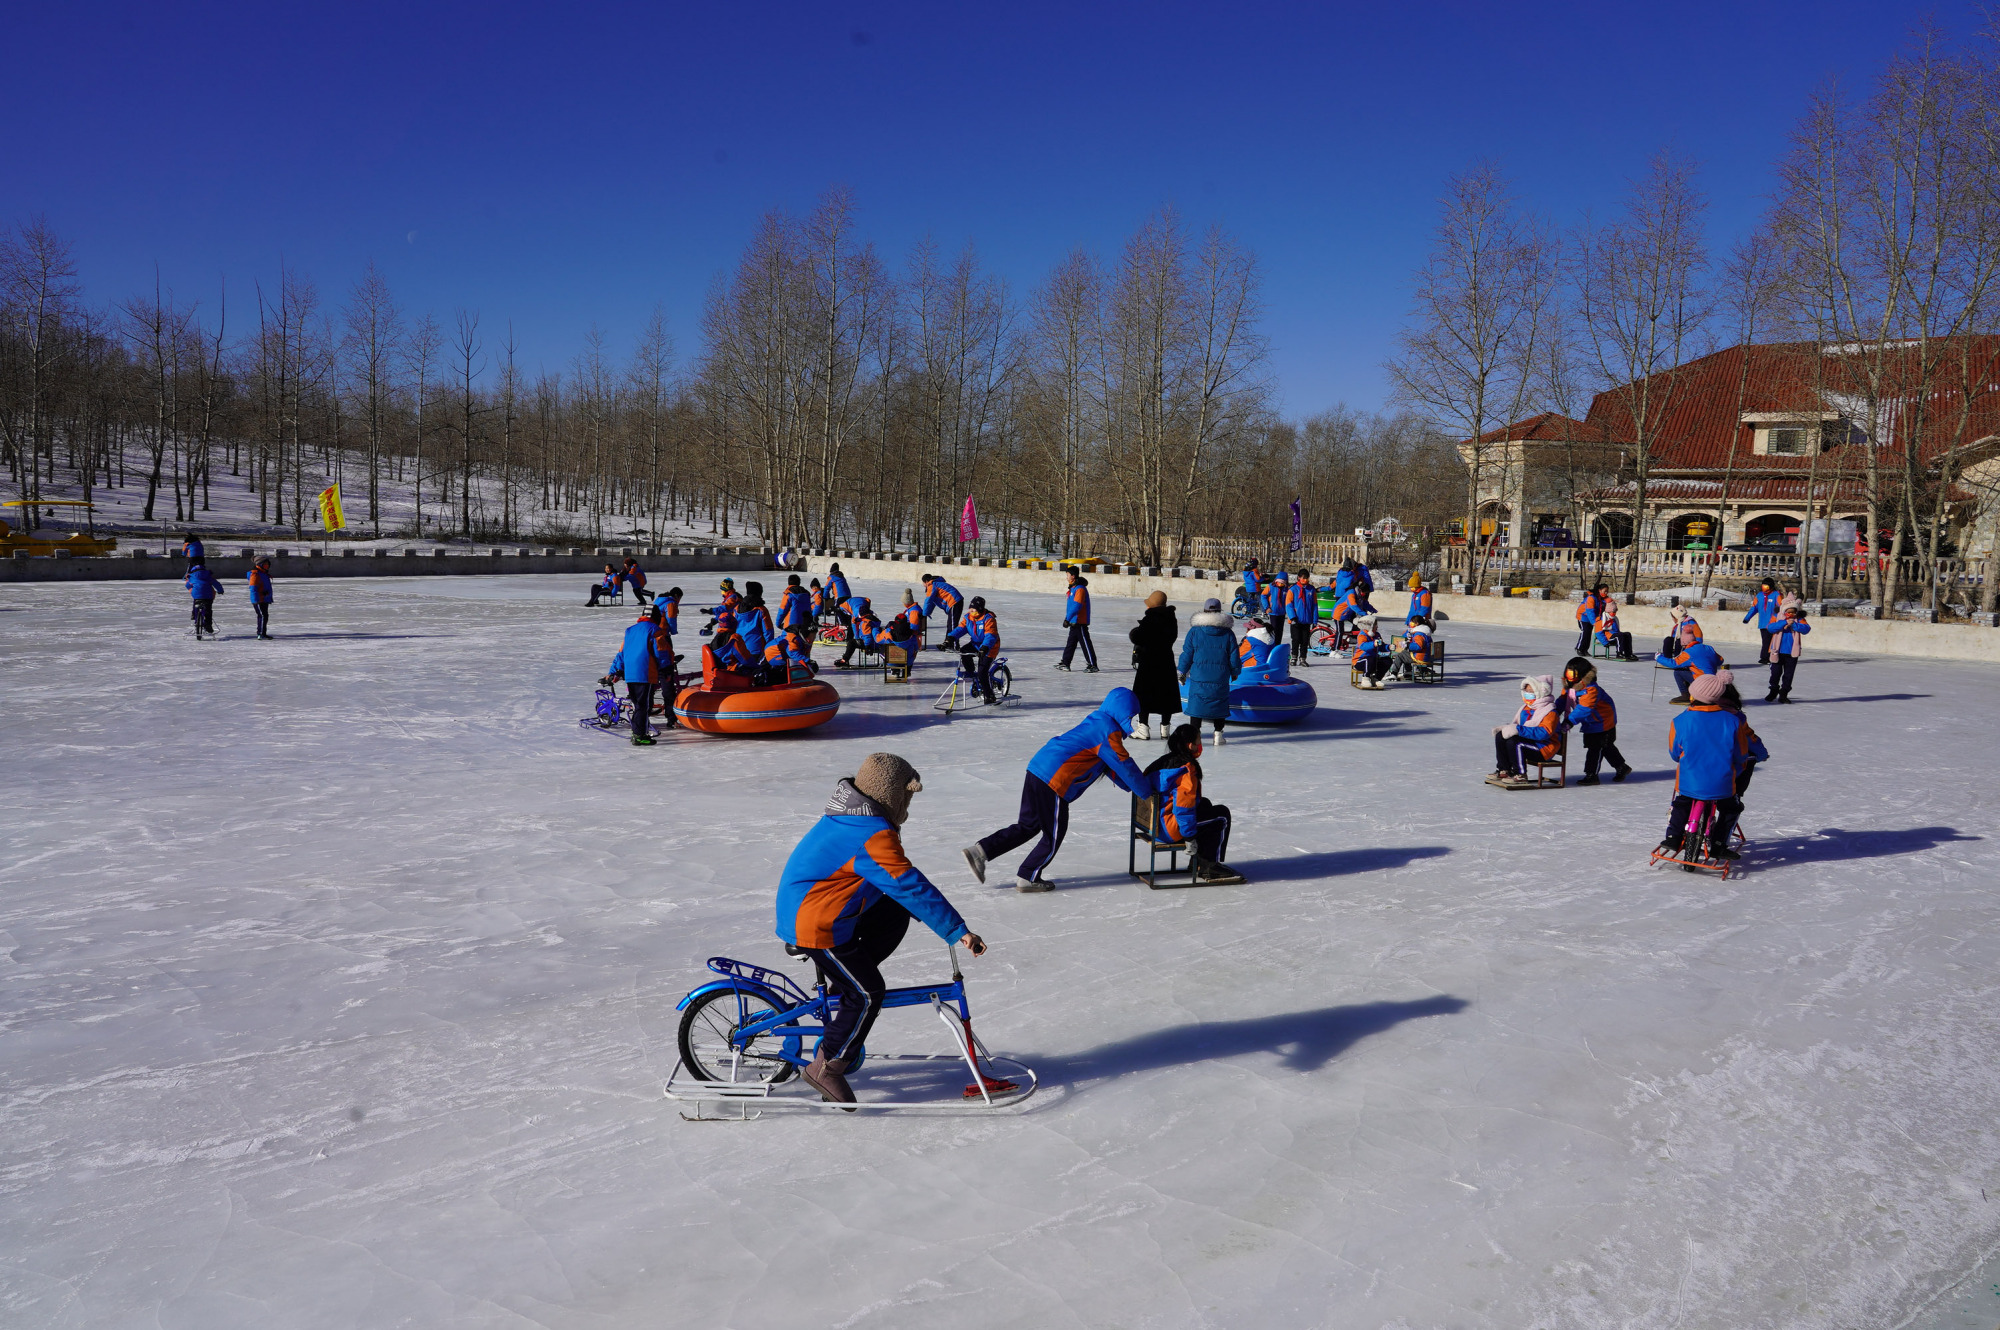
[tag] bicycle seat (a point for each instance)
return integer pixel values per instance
(792, 949)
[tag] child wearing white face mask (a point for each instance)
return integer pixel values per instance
(1536, 731)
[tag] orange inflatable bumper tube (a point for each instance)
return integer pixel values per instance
(773, 710)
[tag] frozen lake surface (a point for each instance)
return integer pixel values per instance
(339, 981)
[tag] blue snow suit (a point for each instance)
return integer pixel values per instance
(260, 586)
(795, 609)
(1250, 586)
(670, 605)
(1209, 661)
(1591, 709)
(1071, 762)
(1765, 611)
(1701, 658)
(1303, 604)
(1420, 604)
(1785, 637)
(1275, 593)
(852, 857)
(192, 548)
(1343, 582)
(1711, 745)
(836, 589)
(201, 584)
(639, 659)
(1260, 660)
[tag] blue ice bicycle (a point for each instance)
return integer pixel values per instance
(746, 1035)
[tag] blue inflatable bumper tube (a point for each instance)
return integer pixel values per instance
(1269, 696)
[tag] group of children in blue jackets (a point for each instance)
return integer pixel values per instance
(203, 587)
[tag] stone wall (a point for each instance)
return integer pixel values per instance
(229, 563)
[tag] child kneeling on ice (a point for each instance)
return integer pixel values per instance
(1713, 746)
(1592, 711)
(1185, 813)
(1537, 730)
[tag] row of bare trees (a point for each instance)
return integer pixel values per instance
(1876, 264)
(834, 398)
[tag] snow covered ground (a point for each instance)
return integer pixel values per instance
(339, 975)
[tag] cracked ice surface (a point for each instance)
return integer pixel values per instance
(339, 976)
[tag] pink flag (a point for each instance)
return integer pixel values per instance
(968, 522)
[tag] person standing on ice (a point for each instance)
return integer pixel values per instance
(1712, 746)
(795, 610)
(1421, 600)
(1587, 615)
(202, 589)
(1076, 618)
(1153, 675)
(641, 665)
(846, 897)
(1786, 644)
(1209, 662)
(1768, 611)
(635, 577)
(1302, 609)
(1592, 711)
(670, 606)
(837, 595)
(1058, 774)
(942, 595)
(259, 578)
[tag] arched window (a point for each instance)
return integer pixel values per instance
(1691, 531)
(1772, 529)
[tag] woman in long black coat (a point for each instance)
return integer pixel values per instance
(1154, 679)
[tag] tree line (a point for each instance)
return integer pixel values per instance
(1875, 265)
(834, 398)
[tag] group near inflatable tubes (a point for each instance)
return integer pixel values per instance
(1269, 696)
(769, 710)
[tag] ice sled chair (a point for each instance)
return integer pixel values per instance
(1147, 829)
(896, 659)
(1427, 671)
(1541, 766)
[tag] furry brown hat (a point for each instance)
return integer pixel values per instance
(889, 781)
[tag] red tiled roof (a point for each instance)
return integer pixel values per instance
(1548, 427)
(1706, 398)
(1748, 490)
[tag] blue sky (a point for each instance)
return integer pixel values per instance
(562, 167)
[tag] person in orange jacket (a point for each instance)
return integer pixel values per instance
(1076, 618)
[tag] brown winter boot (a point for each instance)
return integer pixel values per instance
(829, 1078)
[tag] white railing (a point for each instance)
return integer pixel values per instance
(1727, 565)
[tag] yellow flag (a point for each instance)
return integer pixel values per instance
(329, 508)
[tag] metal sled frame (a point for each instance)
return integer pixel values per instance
(794, 1008)
(1694, 844)
(961, 686)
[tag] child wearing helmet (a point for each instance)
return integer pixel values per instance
(1591, 710)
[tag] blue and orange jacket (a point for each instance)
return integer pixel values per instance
(753, 624)
(730, 599)
(731, 651)
(863, 626)
(1252, 583)
(1353, 605)
(837, 592)
(1368, 648)
(1539, 722)
(1690, 623)
(1420, 604)
(663, 642)
(1302, 606)
(610, 579)
(1076, 608)
(671, 607)
(1071, 762)
(1417, 641)
(192, 548)
(1276, 592)
(1701, 658)
(1179, 789)
(1588, 612)
(260, 586)
(913, 617)
(788, 648)
(1256, 657)
(634, 574)
(1712, 746)
(821, 602)
(795, 609)
(639, 659)
(1785, 637)
(201, 584)
(1607, 622)
(852, 857)
(981, 631)
(1765, 611)
(942, 596)
(1591, 708)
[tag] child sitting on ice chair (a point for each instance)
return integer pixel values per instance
(1185, 813)
(1535, 733)
(1371, 653)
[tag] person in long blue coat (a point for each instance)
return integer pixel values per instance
(1209, 662)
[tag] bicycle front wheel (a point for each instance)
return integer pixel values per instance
(711, 1050)
(1003, 681)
